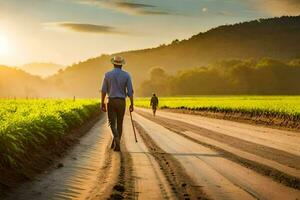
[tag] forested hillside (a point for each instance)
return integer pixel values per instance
(225, 60)
(17, 83)
(265, 76)
(273, 38)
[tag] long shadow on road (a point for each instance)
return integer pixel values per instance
(76, 174)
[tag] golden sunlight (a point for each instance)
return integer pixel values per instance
(4, 44)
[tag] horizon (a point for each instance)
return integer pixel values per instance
(68, 31)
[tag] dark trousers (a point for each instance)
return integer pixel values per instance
(116, 111)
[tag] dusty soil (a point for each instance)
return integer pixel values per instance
(274, 121)
(107, 177)
(44, 159)
(218, 176)
(177, 157)
(89, 170)
(181, 184)
(124, 187)
(253, 148)
(149, 180)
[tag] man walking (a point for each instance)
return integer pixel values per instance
(154, 103)
(116, 85)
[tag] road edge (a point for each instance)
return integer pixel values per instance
(270, 121)
(46, 159)
(276, 175)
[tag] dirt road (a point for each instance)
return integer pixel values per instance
(87, 171)
(217, 174)
(177, 156)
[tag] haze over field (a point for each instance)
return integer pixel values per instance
(42, 69)
(87, 31)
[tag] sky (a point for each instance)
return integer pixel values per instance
(69, 31)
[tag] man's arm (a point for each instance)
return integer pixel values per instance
(103, 106)
(104, 91)
(130, 94)
(131, 104)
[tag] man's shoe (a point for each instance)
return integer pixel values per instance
(117, 148)
(112, 144)
(117, 144)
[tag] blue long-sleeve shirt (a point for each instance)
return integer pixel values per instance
(117, 84)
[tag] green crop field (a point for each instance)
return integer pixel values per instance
(285, 106)
(31, 124)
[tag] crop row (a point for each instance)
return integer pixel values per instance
(29, 125)
(280, 106)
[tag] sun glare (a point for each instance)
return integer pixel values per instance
(4, 46)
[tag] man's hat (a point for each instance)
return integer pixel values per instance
(118, 60)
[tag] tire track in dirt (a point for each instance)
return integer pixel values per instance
(181, 184)
(107, 177)
(124, 187)
(248, 146)
(149, 180)
(284, 141)
(219, 177)
(181, 128)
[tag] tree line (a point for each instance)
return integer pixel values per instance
(260, 77)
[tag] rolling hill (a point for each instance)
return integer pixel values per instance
(17, 83)
(42, 69)
(274, 38)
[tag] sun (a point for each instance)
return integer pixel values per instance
(4, 45)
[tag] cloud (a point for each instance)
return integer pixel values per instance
(225, 13)
(276, 7)
(282, 7)
(84, 28)
(131, 5)
(127, 7)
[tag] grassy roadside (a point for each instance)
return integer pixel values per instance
(31, 131)
(279, 110)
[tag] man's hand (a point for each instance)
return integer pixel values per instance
(103, 107)
(131, 108)
(131, 104)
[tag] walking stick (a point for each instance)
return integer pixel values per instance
(133, 127)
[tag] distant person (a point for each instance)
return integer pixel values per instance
(154, 103)
(116, 85)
